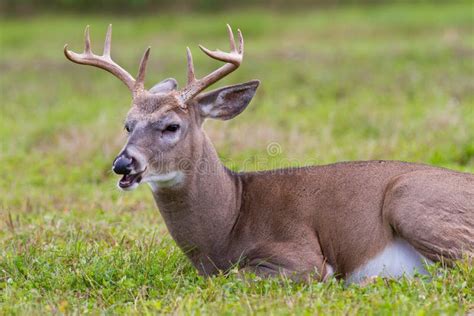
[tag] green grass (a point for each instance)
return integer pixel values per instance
(389, 82)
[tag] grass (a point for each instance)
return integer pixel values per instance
(388, 82)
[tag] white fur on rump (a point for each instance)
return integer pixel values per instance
(395, 261)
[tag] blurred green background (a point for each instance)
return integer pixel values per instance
(340, 81)
(30, 7)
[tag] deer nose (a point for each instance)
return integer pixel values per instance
(122, 165)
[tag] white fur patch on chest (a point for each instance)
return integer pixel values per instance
(396, 260)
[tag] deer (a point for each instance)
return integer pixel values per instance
(347, 220)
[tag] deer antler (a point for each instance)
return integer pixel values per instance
(232, 59)
(105, 62)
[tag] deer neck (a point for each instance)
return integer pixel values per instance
(201, 210)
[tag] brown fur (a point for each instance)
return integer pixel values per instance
(296, 220)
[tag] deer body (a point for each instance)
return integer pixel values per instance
(304, 220)
(353, 219)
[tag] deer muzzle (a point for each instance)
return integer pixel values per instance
(126, 166)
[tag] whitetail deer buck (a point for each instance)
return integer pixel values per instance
(351, 219)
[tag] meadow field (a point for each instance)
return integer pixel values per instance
(388, 82)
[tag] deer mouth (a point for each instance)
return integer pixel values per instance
(130, 181)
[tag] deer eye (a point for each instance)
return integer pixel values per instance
(127, 128)
(172, 128)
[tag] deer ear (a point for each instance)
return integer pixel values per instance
(227, 102)
(164, 86)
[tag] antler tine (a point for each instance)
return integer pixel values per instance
(233, 60)
(191, 75)
(87, 40)
(108, 41)
(105, 61)
(140, 83)
(241, 42)
(231, 38)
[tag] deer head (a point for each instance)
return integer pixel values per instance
(164, 122)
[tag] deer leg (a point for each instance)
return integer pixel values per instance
(294, 261)
(434, 212)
